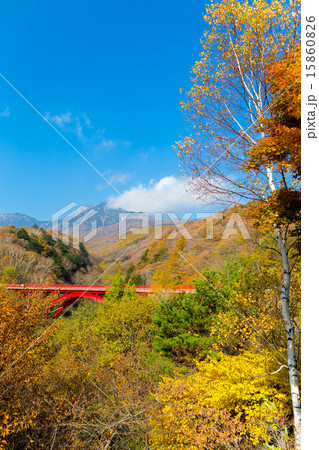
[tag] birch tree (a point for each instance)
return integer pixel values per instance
(226, 107)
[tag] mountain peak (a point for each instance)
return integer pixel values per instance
(103, 216)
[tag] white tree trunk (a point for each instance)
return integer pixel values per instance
(291, 353)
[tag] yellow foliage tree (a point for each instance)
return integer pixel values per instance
(231, 95)
(101, 374)
(22, 321)
(224, 401)
(174, 270)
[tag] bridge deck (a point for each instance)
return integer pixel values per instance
(101, 288)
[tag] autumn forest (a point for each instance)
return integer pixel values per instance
(214, 368)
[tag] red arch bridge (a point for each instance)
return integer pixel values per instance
(70, 293)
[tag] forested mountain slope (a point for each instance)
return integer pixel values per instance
(173, 259)
(30, 255)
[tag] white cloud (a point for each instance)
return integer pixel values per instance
(70, 122)
(5, 112)
(81, 126)
(119, 178)
(167, 195)
(105, 145)
(87, 120)
(60, 120)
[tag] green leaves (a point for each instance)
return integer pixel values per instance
(182, 322)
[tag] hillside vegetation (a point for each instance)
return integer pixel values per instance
(146, 259)
(30, 255)
(200, 371)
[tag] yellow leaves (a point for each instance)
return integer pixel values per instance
(239, 386)
(173, 271)
(281, 207)
(242, 40)
(21, 322)
(241, 33)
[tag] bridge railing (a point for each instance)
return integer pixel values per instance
(89, 288)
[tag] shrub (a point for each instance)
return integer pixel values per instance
(223, 400)
(23, 234)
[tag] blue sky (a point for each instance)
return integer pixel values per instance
(107, 75)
